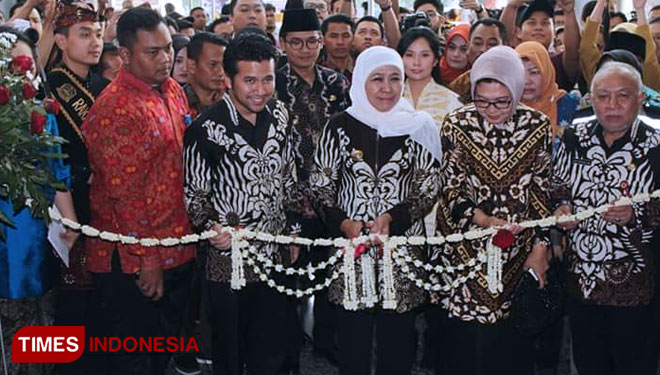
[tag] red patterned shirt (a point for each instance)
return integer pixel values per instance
(134, 134)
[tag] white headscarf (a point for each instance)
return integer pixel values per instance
(402, 119)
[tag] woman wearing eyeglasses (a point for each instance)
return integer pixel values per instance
(377, 171)
(497, 169)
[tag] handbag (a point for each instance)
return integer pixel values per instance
(533, 308)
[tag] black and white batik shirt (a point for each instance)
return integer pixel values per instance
(239, 174)
(359, 175)
(609, 264)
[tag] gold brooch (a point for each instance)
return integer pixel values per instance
(357, 155)
(631, 166)
(332, 98)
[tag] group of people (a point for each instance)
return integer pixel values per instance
(401, 125)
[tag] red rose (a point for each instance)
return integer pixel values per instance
(52, 106)
(503, 239)
(5, 94)
(22, 63)
(29, 91)
(37, 122)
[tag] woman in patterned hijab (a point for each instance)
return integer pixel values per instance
(496, 173)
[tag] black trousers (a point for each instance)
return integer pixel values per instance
(432, 337)
(613, 340)
(198, 310)
(325, 324)
(547, 346)
(471, 348)
(395, 342)
(324, 312)
(81, 307)
(250, 329)
(127, 313)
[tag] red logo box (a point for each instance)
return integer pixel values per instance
(42, 344)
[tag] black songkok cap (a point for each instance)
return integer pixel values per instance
(300, 20)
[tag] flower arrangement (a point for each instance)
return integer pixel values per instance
(27, 147)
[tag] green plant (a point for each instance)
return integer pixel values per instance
(27, 147)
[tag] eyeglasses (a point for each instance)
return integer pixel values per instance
(499, 104)
(311, 43)
(319, 6)
(431, 13)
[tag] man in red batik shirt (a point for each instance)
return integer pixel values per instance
(134, 134)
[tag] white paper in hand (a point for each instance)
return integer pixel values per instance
(54, 231)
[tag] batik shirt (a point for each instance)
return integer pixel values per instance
(134, 134)
(348, 72)
(504, 171)
(359, 176)
(195, 104)
(609, 264)
(240, 174)
(310, 108)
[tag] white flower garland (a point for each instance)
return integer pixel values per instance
(369, 294)
(309, 270)
(494, 271)
(288, 291)
(350, 301)
(439, 269)
(341, 242)
(400, 260)
(389, 294)
(492, 257)
(237, 270)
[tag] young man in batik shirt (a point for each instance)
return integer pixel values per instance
(240, 171)
(313, 94)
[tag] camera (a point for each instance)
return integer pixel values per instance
(415, 19)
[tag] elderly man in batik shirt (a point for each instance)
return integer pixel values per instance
(312, 94)
(610, 259)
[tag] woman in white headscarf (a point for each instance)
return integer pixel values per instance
(496, 172)
(376, 170)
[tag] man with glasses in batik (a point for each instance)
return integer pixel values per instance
(313, 94)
